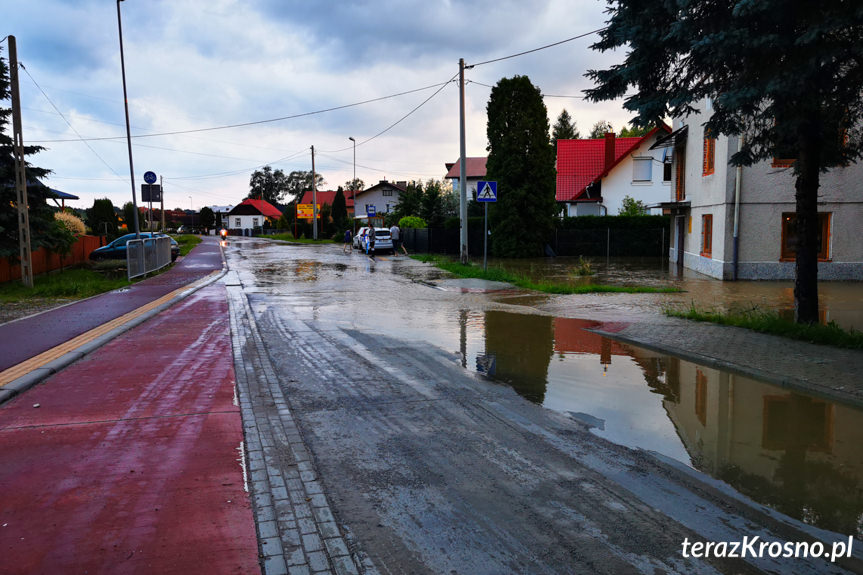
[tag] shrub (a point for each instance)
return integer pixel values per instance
(71, 222)
(412, 222)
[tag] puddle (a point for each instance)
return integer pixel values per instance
(796, 453)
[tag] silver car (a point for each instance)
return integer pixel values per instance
(383, 241)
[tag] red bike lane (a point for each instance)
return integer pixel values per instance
(131, 462)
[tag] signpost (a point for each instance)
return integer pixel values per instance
(485, 192)
(307, 211)
(150, 193)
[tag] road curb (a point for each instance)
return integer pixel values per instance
(25, 382)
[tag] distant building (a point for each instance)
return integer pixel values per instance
(595, 175)
(327, 197)
(251, 214)
(474, 172)
(383, 196)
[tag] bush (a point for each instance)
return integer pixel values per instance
(412, 222)
(71, 222)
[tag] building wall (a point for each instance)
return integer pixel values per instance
(619, 183)
(378, 199)
(766, 192)
(245, 222)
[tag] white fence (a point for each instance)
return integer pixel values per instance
(147, 254)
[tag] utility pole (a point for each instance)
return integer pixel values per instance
(314, 199)
(128, 129)
(162, 197)
(462, 197)
(354, 187)
(20, 173)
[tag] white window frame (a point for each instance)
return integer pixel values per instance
(638, 170)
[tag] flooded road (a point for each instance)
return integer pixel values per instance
(792, 452)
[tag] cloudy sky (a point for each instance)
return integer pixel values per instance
(194, 65)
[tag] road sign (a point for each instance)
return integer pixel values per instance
(150, 177)
(151, 193)
(370, 211)
(486, 191)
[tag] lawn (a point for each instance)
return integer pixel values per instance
(75, 283)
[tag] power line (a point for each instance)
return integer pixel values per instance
(538, 49)
(543, 95)
(80, 138)
(258, 122)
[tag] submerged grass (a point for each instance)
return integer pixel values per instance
(770, 322)
(523, 281)
(288, 237)
(72, 283)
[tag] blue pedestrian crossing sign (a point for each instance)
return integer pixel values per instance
(486, 191)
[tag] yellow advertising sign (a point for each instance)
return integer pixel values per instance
(306, 211)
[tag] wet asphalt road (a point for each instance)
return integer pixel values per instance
(432, 469)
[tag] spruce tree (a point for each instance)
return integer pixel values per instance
(521, 160)
(564, 129)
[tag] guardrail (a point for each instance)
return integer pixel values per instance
(147, 254)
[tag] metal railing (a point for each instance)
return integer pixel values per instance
(147, 254)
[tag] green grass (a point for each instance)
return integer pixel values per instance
(288, 237)
(72, 284)
(772, 323)
(525, 282)
(187, 242)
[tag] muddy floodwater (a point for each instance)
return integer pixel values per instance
(840, 302)
(797, 453)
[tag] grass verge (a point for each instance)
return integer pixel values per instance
(523, 281)
(76, 283)
(187, 242)
(290, 238)
(772, 323)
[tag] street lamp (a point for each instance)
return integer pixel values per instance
(354, 185)
(128, 130)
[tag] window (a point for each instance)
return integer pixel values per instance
(789, 236)
(642, 169)
(666, 165)
(707, 235)
(387, 192)
(709, 156)
(238, 223)
(254, 222)
(679, 176)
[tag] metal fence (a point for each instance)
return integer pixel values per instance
(574, 242)
(147, 254)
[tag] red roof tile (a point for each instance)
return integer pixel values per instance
(326, 197)
(474, 168)
(582, 162)
(266, 208)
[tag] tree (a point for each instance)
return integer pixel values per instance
(521, 160)
(564, 129)
(633, 131)
(785, 75)
(300, 181)
(208, 218)
(266, 184)
(600, 129)
(409, 200)
(44, 230)
(129, 217)
(632, 207)
(340, 211)
(360, 185)
(102, 219)
(431, 207)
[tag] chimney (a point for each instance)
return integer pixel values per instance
(609, 151)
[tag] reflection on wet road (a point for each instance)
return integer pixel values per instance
(795, 453)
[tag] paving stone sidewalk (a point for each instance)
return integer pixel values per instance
(296, 527)
(823, 370)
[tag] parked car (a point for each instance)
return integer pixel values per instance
(383, 241)
(116, 250)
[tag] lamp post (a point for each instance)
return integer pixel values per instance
(354, 186)
(128, 130)
(193, 214)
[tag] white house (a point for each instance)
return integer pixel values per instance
(383, 197)
(595, 175)
(474, 172)
(251, 214)
(710, 199)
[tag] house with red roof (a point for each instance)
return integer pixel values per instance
(250, 214)
(383, 197)
(327, 197)
(594, 176)
(474, 172)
